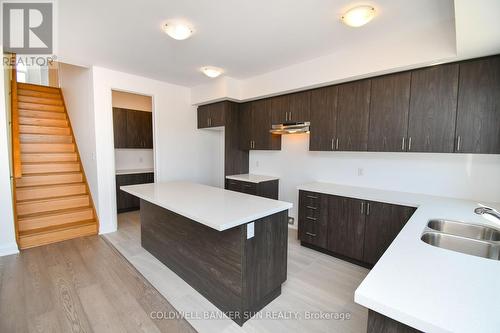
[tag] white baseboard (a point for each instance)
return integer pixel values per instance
(9, 249)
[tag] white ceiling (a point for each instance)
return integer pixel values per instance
(245, 38)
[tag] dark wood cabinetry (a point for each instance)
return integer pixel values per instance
(383, 223)
(433, 107)
(290, 108)
(346, 226)
(323, 119)
(132, 129)
(478, 118)
(255, 123)
(352, 116)
(212, 115)
(267, 189)
(313, 218)
(422, 110)
(228, 115)
(354, 229)
(126, 202)
(389, 104)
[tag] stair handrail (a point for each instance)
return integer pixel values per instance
(16, 143)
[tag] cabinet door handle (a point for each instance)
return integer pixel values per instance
(311, 218)
(409, 143)
(337, 144)
(310, 234)
(368, 209)
(311, 207)
(362, 207)
(459, 139)
(311, 197)
(290, 115)
(403, 144)
(286, 116)
(333, 144)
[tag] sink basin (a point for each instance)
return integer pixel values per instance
(465, 245)
(468, 230)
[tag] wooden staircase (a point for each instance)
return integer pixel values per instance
(53, 201)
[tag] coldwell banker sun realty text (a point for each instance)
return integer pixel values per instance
(28, 31)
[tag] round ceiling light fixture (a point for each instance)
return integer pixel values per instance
(358, 16)
(212, 71)
(178, 31)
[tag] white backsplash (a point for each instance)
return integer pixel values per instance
(131, 159)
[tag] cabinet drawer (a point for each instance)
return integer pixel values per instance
(249, 188)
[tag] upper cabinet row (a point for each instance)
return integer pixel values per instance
(445, 108)
(132, 129)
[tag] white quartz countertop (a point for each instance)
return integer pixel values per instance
(212, 206)
(251, 178)
(426, 287)
(133, 171)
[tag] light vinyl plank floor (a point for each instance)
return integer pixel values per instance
(316, 283)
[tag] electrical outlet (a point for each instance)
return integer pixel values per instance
(361, 172)
(256, 164)
(141, 159)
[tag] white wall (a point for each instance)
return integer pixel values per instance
(132, 159)
(467, 176)
(182, 151)
(8, 243)
(76, 85)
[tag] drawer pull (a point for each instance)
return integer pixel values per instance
(311, 197)
(246, 185)
(311, 207)
(311, 218)
(310, 234)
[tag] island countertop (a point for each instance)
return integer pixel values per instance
(214, 207)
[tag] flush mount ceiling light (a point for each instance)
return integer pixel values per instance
(211, 71)
(177, 31)
(358, 16)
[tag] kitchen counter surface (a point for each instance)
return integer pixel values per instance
(426, 287)
(133, 171)
(251, 178)
(214, 207)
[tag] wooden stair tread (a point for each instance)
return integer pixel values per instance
(39, 100)
(53, 213)
(40, 107)
(26, 113)
(48, 147)
(49, 178)
(32, 129)
(45, 122)
(35, 93)
(49, 191)
(39, 206)
(51, 157)
(36, 87)
(52, 198)
(45, 138)
(60, 227)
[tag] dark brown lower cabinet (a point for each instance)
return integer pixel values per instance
(353, 229)
(346, 226)
(313, 218)
(127, 202)
(268, 189)
(383, 223)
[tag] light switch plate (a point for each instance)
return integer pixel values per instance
(250, 230)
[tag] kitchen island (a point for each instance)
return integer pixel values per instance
(231, 247)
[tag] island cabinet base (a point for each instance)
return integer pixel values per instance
(238, 275)
(378, 323)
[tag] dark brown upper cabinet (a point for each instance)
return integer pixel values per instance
(389, 104)
(346, 228)
(255, 124)
(383, 223)
(352, 116)
(433, 107)
(323, 119)
(478, 118)
(120, 127)
(290, 108)
(132, 129)
(212, 115)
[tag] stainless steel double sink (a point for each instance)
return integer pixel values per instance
(473, 239)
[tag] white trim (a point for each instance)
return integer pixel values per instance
(9, 249)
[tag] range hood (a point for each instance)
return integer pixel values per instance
(290, 128)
